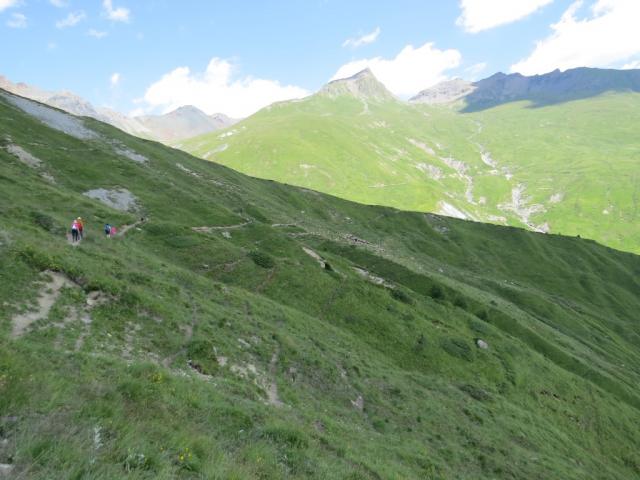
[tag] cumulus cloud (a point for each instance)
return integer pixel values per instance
(117, 14)
(363, 40)
(216, 90)
(71, 20)
(412, 70)
(631, 65)
(4, 4)
(474, 70)
(59, 3)
(96, 33)
(479, 15)
(114, 79)
(606, 35)
(17, 20)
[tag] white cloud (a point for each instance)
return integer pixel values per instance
(631, 65)
(137, 112)
(412, 70)
(96, 33)
(474, 70)
(607, 35)
(216, 90)
(363, 40)
(59, 3)
(114, 79)
(17, 20)
(4, 4)
(71, 20)
(118, 14)
(478, 15)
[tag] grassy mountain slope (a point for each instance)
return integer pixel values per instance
(563, 168)
(230, 352)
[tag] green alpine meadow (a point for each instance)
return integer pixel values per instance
(320, 240)
(555, 153)
(238, 328)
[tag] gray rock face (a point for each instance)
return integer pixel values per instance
(444, 92)
(553, 86)
(5, 470)
(549, 88)
(52, 118)
(363, 85)
(120, 199)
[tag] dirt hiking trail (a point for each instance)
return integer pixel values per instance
(125, 228)
(47, 297)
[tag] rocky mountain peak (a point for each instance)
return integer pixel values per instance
(362, 85)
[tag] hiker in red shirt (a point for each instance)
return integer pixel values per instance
(80, 227)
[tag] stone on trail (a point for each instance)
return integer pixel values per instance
(5, 470)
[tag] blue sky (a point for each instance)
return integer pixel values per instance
(235, 57)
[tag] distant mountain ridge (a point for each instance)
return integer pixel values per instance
(184, 122)
(76, 105)
(444, 92)
(549, 88)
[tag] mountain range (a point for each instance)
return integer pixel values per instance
(547, 89)
(236, 327)
(186, 121)
(554, 153)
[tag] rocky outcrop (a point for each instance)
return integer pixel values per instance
(363, 85)
(444, 92)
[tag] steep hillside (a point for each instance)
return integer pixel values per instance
(241, 328)
(530, 160)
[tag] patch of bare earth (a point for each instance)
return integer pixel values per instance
(47, 297)
(373, 278)
(315, 256)
(120, 199)
(223, 227)
(28, 159)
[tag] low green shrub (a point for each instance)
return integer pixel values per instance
(38, 259)
(285, 436)
(436, 292)
(202, 357)
(262, 259)
(460, 302)
(43, 220)
(457, 347)
(476, 392)
(401, 296)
